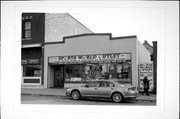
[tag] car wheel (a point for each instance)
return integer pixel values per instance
(75, 95)
(117, 97)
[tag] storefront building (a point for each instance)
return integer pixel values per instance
(32, 49)
(83, 58)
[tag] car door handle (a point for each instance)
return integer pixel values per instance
(95, 88)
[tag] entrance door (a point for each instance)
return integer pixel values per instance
(59, 76)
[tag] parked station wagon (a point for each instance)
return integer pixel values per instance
(118, 92)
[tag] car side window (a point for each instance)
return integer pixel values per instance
(110, 84)
(107, 84)
(94, 84)
(103, 84)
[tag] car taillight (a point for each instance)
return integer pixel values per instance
(132, 89)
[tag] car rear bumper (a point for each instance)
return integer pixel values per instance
(131, 94)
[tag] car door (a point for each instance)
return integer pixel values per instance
(91, 89)
(106, 89)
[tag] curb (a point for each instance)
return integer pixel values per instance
(64, 96)
(145, 100)
(43, 95)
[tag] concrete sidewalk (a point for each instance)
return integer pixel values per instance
(62, 92)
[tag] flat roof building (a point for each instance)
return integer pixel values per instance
(87, 57)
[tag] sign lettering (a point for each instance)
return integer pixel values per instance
(89, 58)
(146, 70)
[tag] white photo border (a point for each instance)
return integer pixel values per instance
(11, 57)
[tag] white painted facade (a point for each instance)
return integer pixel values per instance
(96, 44)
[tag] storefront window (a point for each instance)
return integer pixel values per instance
(32, 70)
(124, 71)
(120, 71)
(86, 68)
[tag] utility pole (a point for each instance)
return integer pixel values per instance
(155, 65)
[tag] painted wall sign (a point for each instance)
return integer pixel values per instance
(89, 58)
(146, 70)
(146, 67)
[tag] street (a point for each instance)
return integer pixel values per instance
(61, 100)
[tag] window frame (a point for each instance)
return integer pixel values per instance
(26, 30)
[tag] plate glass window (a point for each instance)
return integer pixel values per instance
(32, 70)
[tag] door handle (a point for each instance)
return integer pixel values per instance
(95, 88)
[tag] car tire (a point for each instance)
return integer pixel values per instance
(117, 97)
(75, 95)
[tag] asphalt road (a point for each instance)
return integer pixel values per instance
(39, 99)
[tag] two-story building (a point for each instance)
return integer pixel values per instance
(33, 26)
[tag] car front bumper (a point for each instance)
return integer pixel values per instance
(68, 92)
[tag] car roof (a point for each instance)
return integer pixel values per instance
(105, 81)
(114, 82)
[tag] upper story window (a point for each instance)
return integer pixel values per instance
(26, 29)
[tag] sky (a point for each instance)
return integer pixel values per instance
(146, 23)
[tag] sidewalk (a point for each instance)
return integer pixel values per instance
(62, 92)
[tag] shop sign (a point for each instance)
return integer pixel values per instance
(30, 61)
(89, 58)
(146, 70)
(33, 61)
(147, 67)
(55, 59)
(23, 61)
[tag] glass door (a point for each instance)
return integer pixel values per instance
(59, 76)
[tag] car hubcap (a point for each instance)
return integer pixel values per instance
(117, 98)
(75, 95)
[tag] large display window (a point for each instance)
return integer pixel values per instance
(31, 74)
(32, 70)
(89, 72)
(86, 68)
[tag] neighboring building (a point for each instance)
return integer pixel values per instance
(59, 25)
(32, 48)
(148, 46)
(86, 57)
(38, 28)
